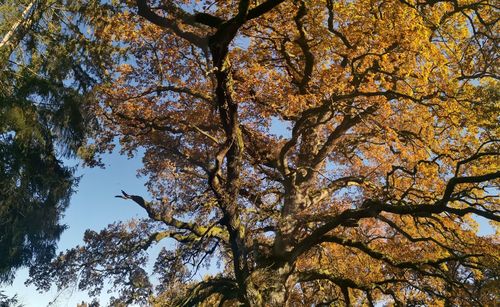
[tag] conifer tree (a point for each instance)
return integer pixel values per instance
(47, 69)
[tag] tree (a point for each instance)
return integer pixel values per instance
(46, 74)
(6, 301)
(386, 152)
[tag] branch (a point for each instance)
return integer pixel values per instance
(453, 182)
(415, 265)
(198, 231)
(346, 124)
(31, 14)
(145, 11)
(372, 208)
(478, 154)
(305, 48)
(263, 8)
(305, 121)
(343, 38)
(203, 290)
(172, 88)
(320, 274)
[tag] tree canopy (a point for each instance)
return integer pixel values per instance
(326, 152)
(47, 69)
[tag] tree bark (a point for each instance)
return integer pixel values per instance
(268, 286)
(18, 30)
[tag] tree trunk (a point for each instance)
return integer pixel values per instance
(18, 30)
(269, 286)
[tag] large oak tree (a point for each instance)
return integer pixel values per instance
(321, 152)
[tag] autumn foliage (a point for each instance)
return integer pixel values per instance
(321, 152)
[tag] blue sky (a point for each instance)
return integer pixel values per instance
(93, 206)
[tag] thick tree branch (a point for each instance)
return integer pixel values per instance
(263, 8)
(172, 24)
(228, 288)
(453, 182)
(196, 230)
